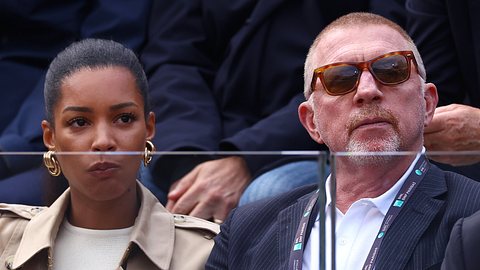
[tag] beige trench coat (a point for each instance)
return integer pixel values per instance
(160, 240)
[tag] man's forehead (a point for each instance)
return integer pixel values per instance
(358, 43)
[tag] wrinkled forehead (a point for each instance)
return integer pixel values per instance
(358, 43)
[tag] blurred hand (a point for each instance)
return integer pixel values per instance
(211, 189)
(454, 128)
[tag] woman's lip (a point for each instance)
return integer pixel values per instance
(106, 173)
(103, 166)
(103, 170)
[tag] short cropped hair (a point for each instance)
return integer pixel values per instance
(91, 54)
(355, 19)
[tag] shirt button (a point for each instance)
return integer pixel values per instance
(342, 241)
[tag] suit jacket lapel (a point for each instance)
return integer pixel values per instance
(260, 13)
(288, 221)
(401, 241)
(474, 22)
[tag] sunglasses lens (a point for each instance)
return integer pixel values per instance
(392, 69)
(339, 80)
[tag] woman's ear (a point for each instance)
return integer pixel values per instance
(150, 121)
(307, 117)
(48, 135)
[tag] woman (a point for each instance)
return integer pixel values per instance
(96, 97)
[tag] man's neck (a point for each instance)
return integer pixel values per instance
(355, 181)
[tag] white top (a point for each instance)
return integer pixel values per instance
(79, 248)
(355, 231)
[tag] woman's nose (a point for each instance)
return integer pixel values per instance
(103, 139)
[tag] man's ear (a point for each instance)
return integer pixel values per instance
(150, 121)
(307, 117)
(431, 100)
(48, 135)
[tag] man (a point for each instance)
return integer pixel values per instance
(224, 76)
(366, 92)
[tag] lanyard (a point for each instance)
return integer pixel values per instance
(405, 192)
(296, 256)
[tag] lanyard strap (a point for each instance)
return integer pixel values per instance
(405, 192)
(296, 256)
(400, 200)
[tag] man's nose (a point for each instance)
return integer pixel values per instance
(368, 89)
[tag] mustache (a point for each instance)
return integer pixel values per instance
(372, 112)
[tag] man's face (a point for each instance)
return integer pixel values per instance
(374, 117)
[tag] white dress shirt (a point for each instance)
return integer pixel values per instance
(355, 230)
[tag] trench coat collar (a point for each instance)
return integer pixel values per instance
(152, 220)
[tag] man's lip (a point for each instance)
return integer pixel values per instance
(371, 121)
(102, 166)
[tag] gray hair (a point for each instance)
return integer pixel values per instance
(91, 54)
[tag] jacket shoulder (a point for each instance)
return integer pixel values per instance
(19, 211)
(13, 220)
(195, 224)
(193, 242)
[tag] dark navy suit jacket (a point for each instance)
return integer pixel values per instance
(260, 235)
(228, 75)
(464, 245)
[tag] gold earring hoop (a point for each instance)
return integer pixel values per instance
(147, 156)
(51, 163)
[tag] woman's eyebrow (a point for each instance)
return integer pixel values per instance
(112, 108)
(122, 105)
(77, 109)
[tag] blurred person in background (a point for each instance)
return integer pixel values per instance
(226, 76)
(446, 34)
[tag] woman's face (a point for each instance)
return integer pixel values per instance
(99, 110)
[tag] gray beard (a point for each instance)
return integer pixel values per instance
(390, 144)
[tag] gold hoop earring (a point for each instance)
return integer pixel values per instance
(51, 163)
(147, 156)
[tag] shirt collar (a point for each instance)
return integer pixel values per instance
(383, 201)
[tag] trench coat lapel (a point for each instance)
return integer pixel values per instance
(154, 222)
(41, 231)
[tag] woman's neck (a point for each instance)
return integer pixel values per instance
(103, 215)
